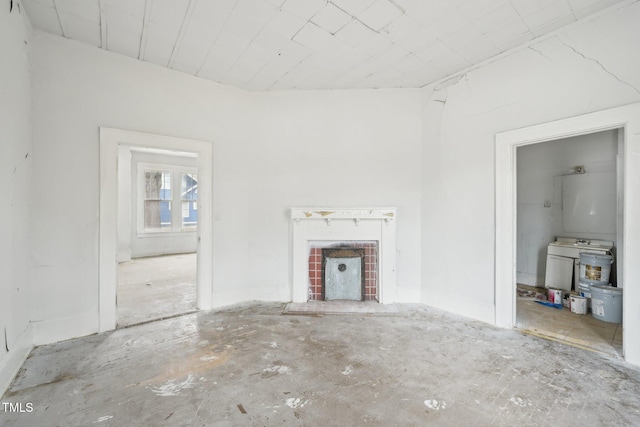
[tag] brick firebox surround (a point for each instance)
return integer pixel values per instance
(370, 267)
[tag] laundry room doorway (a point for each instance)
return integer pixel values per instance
(626, 121)
(567, 205)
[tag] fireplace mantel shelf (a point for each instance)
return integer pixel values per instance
(387, 214)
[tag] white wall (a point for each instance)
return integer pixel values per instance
(341, 149)
(271, 152)
(152, 244)
(586, 67)
(540, 169)
(16, 167)
(77, 89)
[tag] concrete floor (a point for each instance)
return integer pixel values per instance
(156, 287)
(251, 365)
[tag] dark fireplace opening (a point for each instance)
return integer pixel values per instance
(343, 273)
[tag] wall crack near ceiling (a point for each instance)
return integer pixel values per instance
(601, 66)
(539, 52)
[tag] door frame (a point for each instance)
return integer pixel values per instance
(627, 120)
(110, 140)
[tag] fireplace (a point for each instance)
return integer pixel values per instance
(360, 271)
(320, 233)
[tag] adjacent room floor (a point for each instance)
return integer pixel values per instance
(582, 330)
(156, 287)
(251, 365)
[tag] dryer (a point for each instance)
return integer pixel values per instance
(563, 260)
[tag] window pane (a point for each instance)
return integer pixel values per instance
(157, 204)
(189, 196)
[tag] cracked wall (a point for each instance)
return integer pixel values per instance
(590, 66)
(15, 175)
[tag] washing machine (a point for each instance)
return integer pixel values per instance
(563, 260)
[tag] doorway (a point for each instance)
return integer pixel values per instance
(627, 119)
(157, 227)
(111, 142)
(567, 189)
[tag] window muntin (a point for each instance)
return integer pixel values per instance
(157, 200)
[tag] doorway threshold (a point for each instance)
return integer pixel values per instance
(144, 322)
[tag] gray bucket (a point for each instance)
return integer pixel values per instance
(606, 303)
(584, 289)
(595, 268)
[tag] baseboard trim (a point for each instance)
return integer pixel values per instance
(54, 330)
(12, 361)
(455, 304)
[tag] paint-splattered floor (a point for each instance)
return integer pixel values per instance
(250, 365)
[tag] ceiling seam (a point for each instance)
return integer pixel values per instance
(60, 20)
(103, 25)
(145, 29)
(204, 61)
(183, 29)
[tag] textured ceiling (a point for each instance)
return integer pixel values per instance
(309, 44)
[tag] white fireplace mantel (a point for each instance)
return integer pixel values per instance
(344, 224)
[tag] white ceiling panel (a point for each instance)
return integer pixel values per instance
(313, 44)
(479, 50)
(547, 14)
(86, 9)
(379, 14)
(81, 29)
(497, 18)
(581, 10)
(123, 41)
(286, 23)
(449, 23)
(43, 17)
(160, 43)
(401, 29)
(258, 11)
(312, 36)
(242, 28)
(304, 8)
(130, 7)
(191, 55)
(353, 7)
(510, 36)
(474, 9)
(123, 30)
(525, 7)
(271, 40)
(374, 44)
(419, 41)
(331, 18)
(169, 13)
(354, 33)
(462, 37)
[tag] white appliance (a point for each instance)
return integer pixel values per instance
(563, 260)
